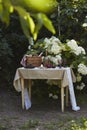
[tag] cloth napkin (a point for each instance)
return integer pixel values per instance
(23, 61)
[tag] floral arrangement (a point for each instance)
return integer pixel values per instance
(66, 54)
(53, 48)
(33, 56)
(55, 53)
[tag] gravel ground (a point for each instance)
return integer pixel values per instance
(44, 111)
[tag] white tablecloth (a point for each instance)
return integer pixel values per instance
(66, 75)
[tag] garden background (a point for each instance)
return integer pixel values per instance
(69, 21)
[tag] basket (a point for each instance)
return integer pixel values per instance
(33, 61)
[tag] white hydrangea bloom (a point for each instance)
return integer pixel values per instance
(59, 57)
(54, 60)
(77, 50)
(53, 45)
(29, 47)
(55, 48)
(78, 78)
(81, 86)
(50, 94)
(47, 42)
(78, 87)
(54, 39)
(55, 97)
(72, 44)
(82, 50)
(84, 25)
(82, 69)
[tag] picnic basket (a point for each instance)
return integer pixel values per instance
(33, 61)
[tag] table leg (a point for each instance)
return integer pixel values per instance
(30, 88)
(62, 98)
(22, 93)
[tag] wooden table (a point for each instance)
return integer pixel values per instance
(42, 73)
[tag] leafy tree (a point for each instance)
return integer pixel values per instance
(12, 39)
(69, 19)
(32, 14)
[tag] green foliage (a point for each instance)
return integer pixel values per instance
(2, 127)
(43, 6)
(82, 125)
(37, 48)
(26, 21)
(42, 19)
(10, 52)
(5, 9)
(25, 15)
(69, 19)
(6, 56)
(30, 124)
(65, 123)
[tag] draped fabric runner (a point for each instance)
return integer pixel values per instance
(66, 75)
(71, 91)
(27, 99)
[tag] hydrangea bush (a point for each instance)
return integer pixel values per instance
(58, 52)
(53, 48)
(61, 54)
(67, 54)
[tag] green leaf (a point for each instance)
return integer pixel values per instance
(5, 9)
(37, 28)
(21, 11)
(46, 22)
(45, 6)
(24, 27)
(28, 22)
(5, 16)
(23, 20)
(31, 24)
(8, 5)
(1, 9)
